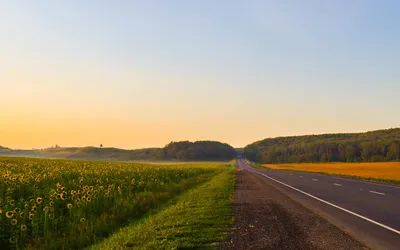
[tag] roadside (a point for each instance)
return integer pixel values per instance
(265, 218)
(200, 218)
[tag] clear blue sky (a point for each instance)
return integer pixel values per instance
(142, 73)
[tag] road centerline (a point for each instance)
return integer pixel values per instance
(337, 184)
(330, 204)
(374, 192)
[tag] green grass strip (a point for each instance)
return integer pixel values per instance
(199, 219)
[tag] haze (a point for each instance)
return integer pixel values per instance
(135, 74)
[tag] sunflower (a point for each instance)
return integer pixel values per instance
(51, 203)
(82, 220)
(22, 214)
(31, 216)
(14, 222)
(69, 205)
(17, 210)
(39, 200)
(24, 228)
(89, 199)
(13, 240)
(10, 214)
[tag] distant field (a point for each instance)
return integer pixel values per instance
(64, 204)
(380, 171)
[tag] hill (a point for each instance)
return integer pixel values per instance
(373, 146)
(176, 151)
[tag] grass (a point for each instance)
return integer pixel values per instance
(376, 171)
(200, 219)
(63, 204)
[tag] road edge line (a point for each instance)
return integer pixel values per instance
(331, 204)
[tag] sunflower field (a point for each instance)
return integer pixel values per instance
(62, 204)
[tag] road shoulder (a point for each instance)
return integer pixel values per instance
(265, 218)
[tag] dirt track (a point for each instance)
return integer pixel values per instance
(265, 218)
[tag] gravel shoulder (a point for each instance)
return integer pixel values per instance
(265, 218)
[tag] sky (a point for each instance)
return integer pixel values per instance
(136, 74)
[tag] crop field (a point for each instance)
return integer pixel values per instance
(62, 204)
(380, 171)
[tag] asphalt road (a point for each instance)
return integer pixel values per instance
(370, 212)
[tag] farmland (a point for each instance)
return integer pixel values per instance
(54, 204)
(379, 171)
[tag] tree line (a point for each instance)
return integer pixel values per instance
(199, 150)
(374, 146)
(175, 151)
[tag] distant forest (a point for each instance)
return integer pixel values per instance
(374, 146)
(205, 150)
(174, 151)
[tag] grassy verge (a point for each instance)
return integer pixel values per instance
(199, 219)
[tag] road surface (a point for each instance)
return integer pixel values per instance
(370, 212)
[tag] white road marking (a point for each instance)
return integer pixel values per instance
(361, 189)
(314, 179)
(301, 176)
(331, 204)
(291, 174)
(337, 184)
(374, 192)
(366, 182)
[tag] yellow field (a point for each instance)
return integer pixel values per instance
(376, 170)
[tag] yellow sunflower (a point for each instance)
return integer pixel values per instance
(10, 214)
(39, 200)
